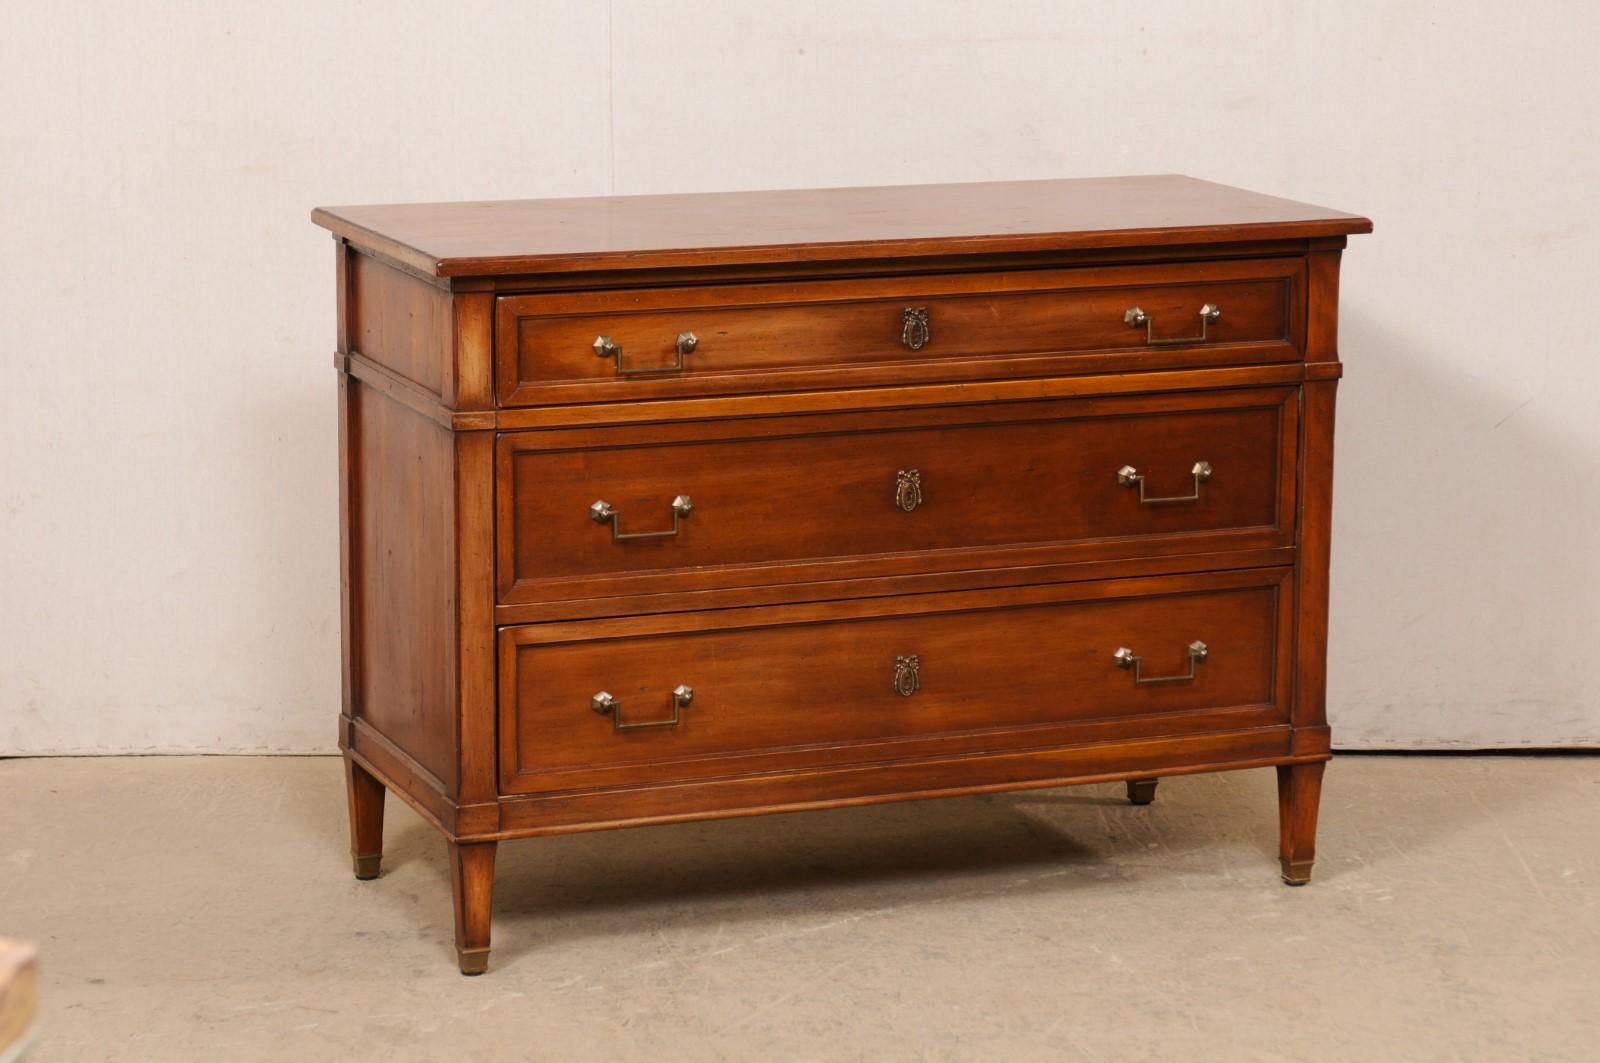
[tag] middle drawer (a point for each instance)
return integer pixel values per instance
(589, 513)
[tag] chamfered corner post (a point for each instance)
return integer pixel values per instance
(1299, 792)
(1141, 791)
(472, 887)
(366, 818)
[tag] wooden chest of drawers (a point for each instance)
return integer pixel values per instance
(676, 507)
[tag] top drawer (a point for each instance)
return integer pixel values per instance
(600, 346)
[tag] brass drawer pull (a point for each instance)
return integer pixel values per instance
(602, 511)
(1126, 658)
(908, 489)
(914, 331)
(1128, 476)
(606, 347)
(607, 705)
(1135, 318)
(907, 675)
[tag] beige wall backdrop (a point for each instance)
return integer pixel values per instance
(168, 547)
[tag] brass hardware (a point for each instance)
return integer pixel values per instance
(1128, 476)
(1295, 872)
(607, 705)
(602, 511)
(606, 347)
(907, 675)
(1134, 318)
(914, 331)
(908, 489)
(1126, 658)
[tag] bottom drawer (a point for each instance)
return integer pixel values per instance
(696, 695)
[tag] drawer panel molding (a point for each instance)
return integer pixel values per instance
(768, 501)
(578, 347)
(600, 703)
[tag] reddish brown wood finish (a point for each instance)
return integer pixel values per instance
(796, 499)
(798, 580)
(533, 815)
(837, 224)
(798, 686)
(405, 583)
(472, 889)
(366, 819)
(783, 336)
(1299, 793)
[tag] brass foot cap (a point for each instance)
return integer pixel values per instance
(473, 961)
(1296, 872)
(366, 866)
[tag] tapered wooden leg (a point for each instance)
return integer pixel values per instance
(1141, 791)
(366, 818)
(472, 883)
(1299, 790)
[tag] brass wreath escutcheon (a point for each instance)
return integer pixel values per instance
(907, 675)
(908, 489)
(914, 330)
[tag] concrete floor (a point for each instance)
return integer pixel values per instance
(203, 908)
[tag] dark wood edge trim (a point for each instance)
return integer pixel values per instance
(967, 284)
(1324, 371)
(753, 428)
(873, 799)
(924, 265)
(888, 397)
(885, 586)
(867, 250)
(524, 591)
(850, 609)
(977, 368)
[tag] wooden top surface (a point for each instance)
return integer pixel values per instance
(739, 228)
